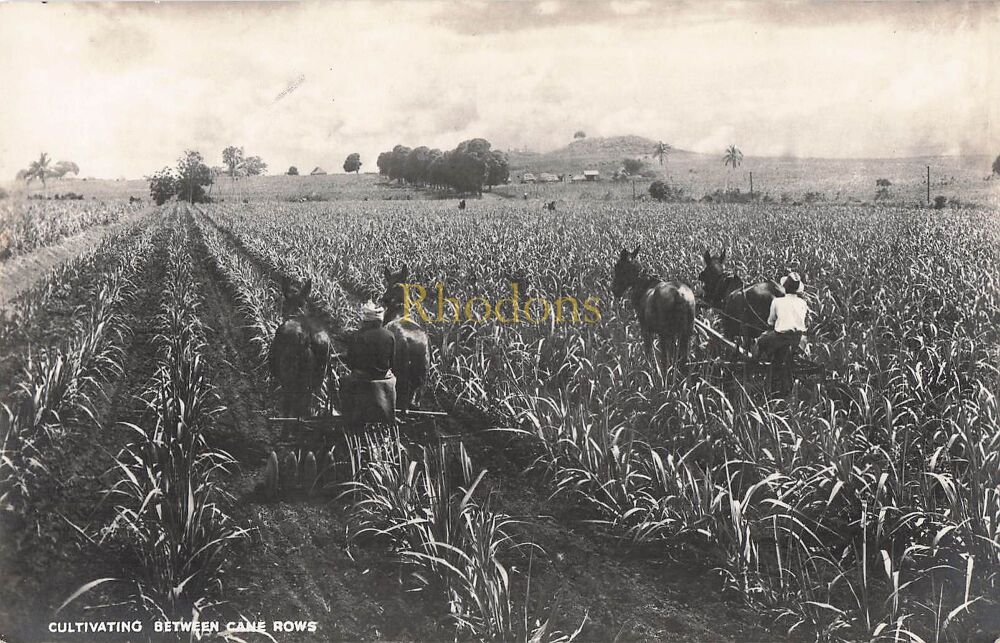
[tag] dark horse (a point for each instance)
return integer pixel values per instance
(665, 309)
(300, 351)
(744, 309)
(412, 357)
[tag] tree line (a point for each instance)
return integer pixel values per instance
(467, 168)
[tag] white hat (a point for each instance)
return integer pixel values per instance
(792, 283)
(371, 312)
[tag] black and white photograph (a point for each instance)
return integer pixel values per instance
(538, 321)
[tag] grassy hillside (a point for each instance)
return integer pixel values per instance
(603, 154)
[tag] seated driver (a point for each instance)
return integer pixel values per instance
(368, 393)
(371, 348)
(787, 319)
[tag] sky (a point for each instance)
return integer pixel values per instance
(124, 89)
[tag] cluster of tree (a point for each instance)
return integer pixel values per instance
(42, 169)
(187, 182)
(996, 165)
(631, 168)
(237, 164)
(352, 163)
(467, 168)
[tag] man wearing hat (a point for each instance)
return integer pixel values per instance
(371, 348)
(787, 321)
(368, 394)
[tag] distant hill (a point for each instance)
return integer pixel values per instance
(601, 153)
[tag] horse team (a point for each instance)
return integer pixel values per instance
(666, 310)
(302, 348)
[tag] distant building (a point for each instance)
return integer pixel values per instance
(528, 177)
(317, 171)
(545, 177)
(577, 178)
(591, 175)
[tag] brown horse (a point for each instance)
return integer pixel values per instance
(300, 351)
(744, 309)
(412, 357)
(665, 309)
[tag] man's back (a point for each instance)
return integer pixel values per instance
(370, 352)
(788, 314)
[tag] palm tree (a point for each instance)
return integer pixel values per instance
(732, 159)
(661, 150)
(39, 170)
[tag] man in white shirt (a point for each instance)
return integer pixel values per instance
(787, 319)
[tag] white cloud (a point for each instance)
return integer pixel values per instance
(630, 7)
(548, 7)
(123, 89)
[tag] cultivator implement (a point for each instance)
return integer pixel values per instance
(313, 446)
(756, 374)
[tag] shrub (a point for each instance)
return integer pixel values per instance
(305, 198)
(162, 186)
(734, 195)
(663, 191)
(633, 166)
(940, 202)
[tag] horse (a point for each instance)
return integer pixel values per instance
(300, 352)
(744, 309)
(412, 357)
(665, 309)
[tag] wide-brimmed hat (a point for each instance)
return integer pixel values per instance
(370, 312)
(792, 283)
